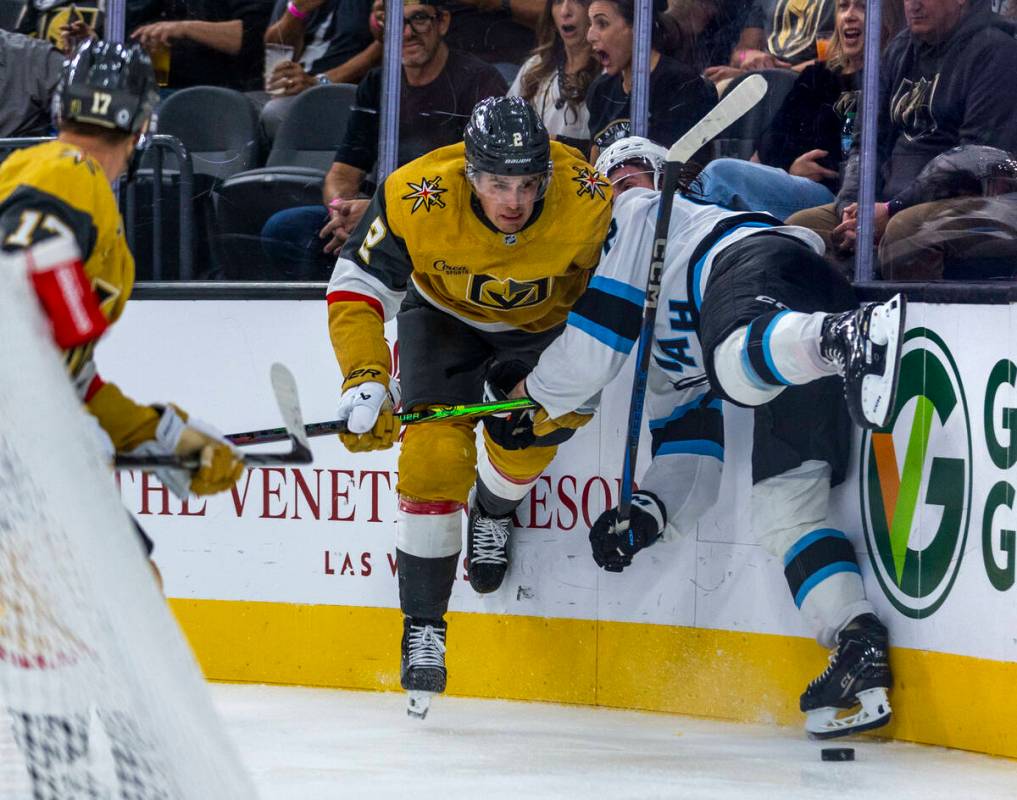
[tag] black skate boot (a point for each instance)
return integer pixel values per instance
(422, 672)
(486, 547)
(858, 674)
(865, 344)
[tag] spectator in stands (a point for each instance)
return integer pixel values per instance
(44, 19)
(778, 34)
(710, 29)
(679, 96)
(799, 156)
(944, 82)
(332, 44)
(440, 87)
(29, 72)
(497, 31)
(211, 42)
(557, 76)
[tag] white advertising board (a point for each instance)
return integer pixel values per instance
(932, 521)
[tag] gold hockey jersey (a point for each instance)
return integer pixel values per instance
(54, 189)
(421, 228)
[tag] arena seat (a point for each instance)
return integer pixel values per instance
(10, 12)
(302, 154)
(219, 128)
(739, 141)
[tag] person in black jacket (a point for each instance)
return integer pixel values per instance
(944, 82)
(440, 87)
(679, 96)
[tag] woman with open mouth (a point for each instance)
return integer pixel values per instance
(802, 150)
(679, 96)
(555, 79)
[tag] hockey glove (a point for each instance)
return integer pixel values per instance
(366, 407)
(614, 543)
(220, 465)
(549, 432)
(511, 430)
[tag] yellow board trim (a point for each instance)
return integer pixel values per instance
(939, 698)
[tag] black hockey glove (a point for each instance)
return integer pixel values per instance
(614, 544)
(513, 430)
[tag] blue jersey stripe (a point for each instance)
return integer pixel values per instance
(811, 538)
(619, 289)
(682, 410)
(697, 270)
(766, 349)
(818, 577)
(601, 333)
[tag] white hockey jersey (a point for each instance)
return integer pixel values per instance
(685, 418)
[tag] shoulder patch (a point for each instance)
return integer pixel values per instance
(590, 182)
(426, 194)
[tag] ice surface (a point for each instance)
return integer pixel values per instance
(312, 744)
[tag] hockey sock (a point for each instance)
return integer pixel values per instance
(499, 494)
(825, 582)
(428, 542)
(778, 349)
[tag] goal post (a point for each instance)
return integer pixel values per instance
(100, 696)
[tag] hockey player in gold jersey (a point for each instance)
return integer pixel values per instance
(60, 192)
(479, 249)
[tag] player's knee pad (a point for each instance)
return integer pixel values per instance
(500, 469)
(437, 460)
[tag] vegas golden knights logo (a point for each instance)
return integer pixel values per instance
(795, 25)
(911, 108)
(507, 294)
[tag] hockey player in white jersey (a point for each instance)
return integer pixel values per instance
(748, 312)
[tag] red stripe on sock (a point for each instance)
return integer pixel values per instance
(96, 384)
(422, 507)
(354, 297)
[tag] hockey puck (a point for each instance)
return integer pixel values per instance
(838, 754)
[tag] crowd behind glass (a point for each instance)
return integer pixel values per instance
(946, 185)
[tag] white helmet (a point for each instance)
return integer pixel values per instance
(633, 148)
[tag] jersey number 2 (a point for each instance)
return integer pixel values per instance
(375, 234)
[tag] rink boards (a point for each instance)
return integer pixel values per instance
(291, 577)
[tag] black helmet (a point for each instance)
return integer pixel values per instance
(107, 84)
(506, 137)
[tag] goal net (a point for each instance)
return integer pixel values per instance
(100, 696)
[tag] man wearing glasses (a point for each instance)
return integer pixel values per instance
(440, 87)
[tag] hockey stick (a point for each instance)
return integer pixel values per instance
(406, 418)
(285, 389)
(733, 105)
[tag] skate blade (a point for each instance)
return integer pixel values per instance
(880, 391)
(418, 703)
(875, 711)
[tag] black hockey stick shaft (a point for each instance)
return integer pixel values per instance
(406, 418)
(672, 171)
(295, 456)
(284, 388)
(732, 106)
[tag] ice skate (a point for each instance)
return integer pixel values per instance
(865, 344)
(486, 547)
(422, 672)
(858, 675)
